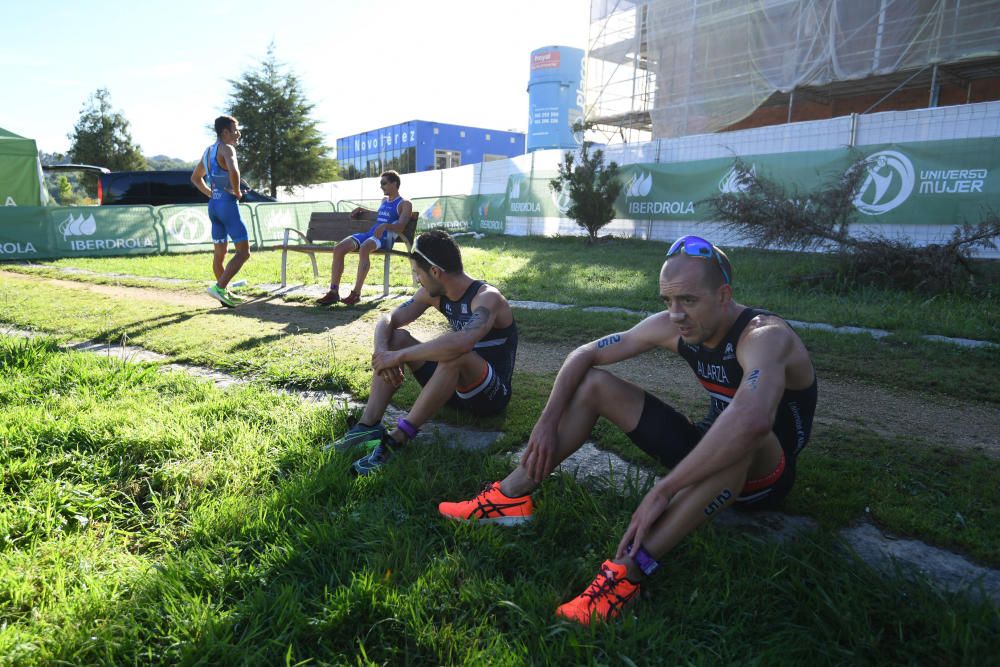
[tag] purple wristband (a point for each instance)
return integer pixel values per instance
(646, 563)
(406, 427)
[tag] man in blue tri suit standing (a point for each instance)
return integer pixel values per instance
(469, 367)
(762, 397)
(393, 214)
(219, 164)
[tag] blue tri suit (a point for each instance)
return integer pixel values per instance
(388, 213)
(223, 208)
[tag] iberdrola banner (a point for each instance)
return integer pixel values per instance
(32, 232)
(489, 214)
(933, 183)
(922, 183)
(529, 196)
(679, 190)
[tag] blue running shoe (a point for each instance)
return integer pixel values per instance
(356, 435)
(384, 450)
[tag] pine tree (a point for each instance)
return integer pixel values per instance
(592, 188)
(65, 197)
(281, 145)
(101, 137)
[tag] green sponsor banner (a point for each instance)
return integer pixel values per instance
(90, 231)
(677, 191)
(449, 213)
(24, 233)
(273, 218)
(479, 213)
(187, 227)
(532, 197)
(931, 182)
(431, 210)
(923, 183)
(490, 214)
(32, 232)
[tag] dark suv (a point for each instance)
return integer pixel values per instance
(85, 184)
(158, 188)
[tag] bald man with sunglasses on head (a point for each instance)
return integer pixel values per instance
(762, 392)
(468, 367)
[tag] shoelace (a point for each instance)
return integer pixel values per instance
(379, 453)
(484, 505)
(595, 590)
(606, 587)
(487, 487)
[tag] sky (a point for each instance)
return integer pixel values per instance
(364, 64)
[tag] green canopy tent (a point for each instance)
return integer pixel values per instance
(20, 172)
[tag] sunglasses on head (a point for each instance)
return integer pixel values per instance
(417, 251)
(695, 246)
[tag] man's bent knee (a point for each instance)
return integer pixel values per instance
(598, 386)
(401, 338)
(606, 394)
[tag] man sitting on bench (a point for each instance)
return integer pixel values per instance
(393, 215)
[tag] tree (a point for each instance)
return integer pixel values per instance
(164, 162)
(592, 188)
(51, 158)
(101, 137)
(281, 145)
(65, 197)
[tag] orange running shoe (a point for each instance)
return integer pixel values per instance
(490, 506)
(604, 599)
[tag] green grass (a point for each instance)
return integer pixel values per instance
(331, 352)
(942, 496)
(268, 346)
(624, 273)
(148, 518)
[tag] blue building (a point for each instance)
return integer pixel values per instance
(420, 145)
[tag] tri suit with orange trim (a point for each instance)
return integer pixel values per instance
(669, 436)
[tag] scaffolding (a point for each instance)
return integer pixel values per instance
(620, 85)
(671, 68)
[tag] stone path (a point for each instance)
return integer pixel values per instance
(884, 552)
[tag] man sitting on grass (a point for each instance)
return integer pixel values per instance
(393, 216)
(469, 367)
(762, 392)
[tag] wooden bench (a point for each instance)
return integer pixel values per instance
(331, 227)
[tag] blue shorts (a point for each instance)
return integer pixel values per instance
(224, 212)
(380, 244)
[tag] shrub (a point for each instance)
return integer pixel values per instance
(591, 186)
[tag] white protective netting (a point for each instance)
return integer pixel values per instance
(715, 61)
